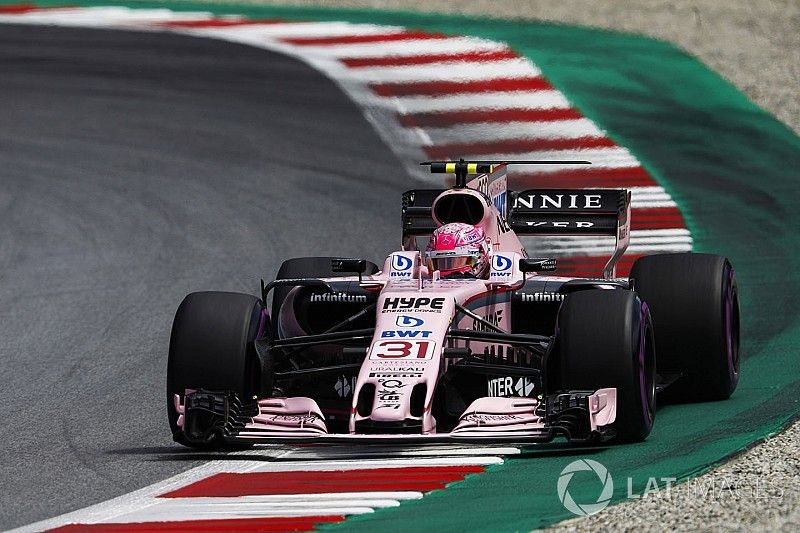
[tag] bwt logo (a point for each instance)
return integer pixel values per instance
(405, 321)
(417, 333)
(400, 264)
(501, 262)
(500, 266)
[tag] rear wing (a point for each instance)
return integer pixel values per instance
(568, 211)
(563, 212)
(575, 212)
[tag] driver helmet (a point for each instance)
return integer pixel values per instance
(458, 249)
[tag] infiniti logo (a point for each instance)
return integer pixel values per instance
(338, 297)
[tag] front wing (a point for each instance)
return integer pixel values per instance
(576, 415)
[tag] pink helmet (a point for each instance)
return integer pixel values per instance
(458, 248)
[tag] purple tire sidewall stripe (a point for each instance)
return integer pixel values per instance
(262, 323)
(644, 389)
(732, 370)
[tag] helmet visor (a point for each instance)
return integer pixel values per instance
(446, 264)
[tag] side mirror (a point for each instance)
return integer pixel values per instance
(537, 264)
(353, 266)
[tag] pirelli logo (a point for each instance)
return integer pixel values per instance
(394, 375)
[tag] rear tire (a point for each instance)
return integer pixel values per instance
(211, 347)
(694, 301)
(605, 339)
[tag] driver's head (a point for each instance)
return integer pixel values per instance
(458, 248)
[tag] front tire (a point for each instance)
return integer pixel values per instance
(605, 339)
(211, 347)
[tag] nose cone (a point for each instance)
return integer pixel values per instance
(397, 379)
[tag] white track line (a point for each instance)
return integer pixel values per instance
(169, 511)
(288, 30)
(326, 497)
(650, 197)
(483, 131)
(614, 157)
(413, 47)
(102, 16)
(462, 71)
(483, 101)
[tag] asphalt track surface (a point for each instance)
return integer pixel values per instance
(135, 168)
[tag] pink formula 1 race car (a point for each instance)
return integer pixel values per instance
(460, 335)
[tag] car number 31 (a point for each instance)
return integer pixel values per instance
(420, 349)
